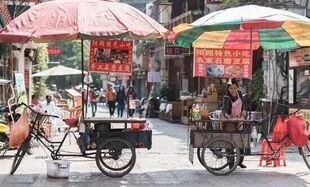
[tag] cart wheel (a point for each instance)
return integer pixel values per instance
(20, 154)
(305, 152)
(199, 155)
(115, 157)
(220, 153)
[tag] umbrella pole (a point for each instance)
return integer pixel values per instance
(250, 89)
(83, 99)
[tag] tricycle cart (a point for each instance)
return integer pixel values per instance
(74, 23)
(113, 149)
(220, 152)
(115, 154)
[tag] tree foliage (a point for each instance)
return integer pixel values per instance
(256, 85)
(40, 64)
(71, 56)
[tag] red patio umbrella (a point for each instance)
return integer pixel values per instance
(63, 20)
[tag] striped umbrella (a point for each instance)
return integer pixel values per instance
(245, 27)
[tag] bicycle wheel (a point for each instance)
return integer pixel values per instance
(220, 153)
(115, 157)
(305, 152)
(20, 154)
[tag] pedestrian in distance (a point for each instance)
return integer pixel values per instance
(48, 105)
(34, 101)
(130, 97)
(94, 98)
(121, 99)
(111, 99)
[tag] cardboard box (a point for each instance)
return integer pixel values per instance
(212, 97)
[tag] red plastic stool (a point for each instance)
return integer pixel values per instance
(266, 149)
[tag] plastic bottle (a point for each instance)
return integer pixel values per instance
(82, 128)
(253, 137)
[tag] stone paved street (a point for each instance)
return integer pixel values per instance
(166, 164)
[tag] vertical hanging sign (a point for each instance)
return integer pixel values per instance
(21, 89)
(110, 56)
(291, 86)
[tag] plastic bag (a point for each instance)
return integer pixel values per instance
(72, 121)
(297, 130)
(19, 131)
(280, 130)
(204, 113)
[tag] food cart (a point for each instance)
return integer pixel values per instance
(223, 43)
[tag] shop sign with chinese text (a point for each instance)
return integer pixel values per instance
(173, 50)
(230, 63)
(153, 76)
(300, 57)
(110, 56)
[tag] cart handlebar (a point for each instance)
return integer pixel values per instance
(30, 107)
(260, 122)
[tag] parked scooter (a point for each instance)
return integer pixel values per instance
(141, 107)
(4, 136)
(8, 115)
(152, 108)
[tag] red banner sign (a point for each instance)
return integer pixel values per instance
(53, 51)
(110, 56)
(230, 63)
(26, 78)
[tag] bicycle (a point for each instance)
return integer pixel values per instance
(34, 132)
(115, 154)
